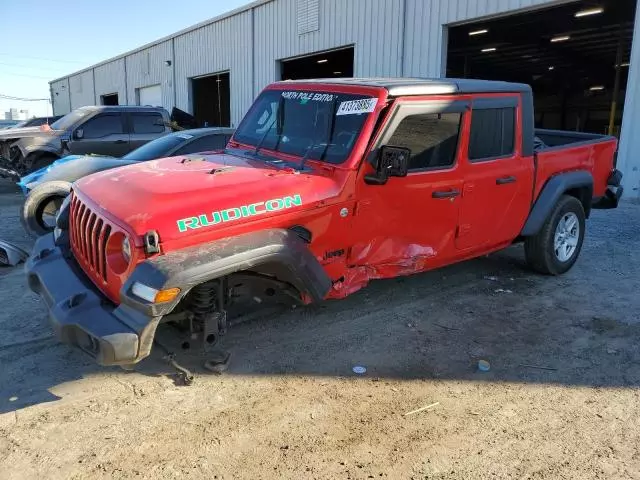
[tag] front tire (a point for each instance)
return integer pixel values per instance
(556, 247)
(41, 206)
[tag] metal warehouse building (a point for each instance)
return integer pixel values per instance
(579, 56)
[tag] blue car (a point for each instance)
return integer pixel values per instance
(46, 189)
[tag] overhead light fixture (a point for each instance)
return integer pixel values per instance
(597, 88)
(552, 68)
(589, 11)
(625, 64)
(487, 50)
(478, 32)
(323, 60)
(562, 38)
(337, 73)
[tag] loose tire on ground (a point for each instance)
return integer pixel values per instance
(40, 201)
(541, 249)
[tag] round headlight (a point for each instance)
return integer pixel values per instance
(126, 249)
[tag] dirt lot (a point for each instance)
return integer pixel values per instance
(290, 406)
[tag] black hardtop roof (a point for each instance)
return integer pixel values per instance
(423, 86)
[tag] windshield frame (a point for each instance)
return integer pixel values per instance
(356, 154)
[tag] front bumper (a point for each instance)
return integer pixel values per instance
(81, 315)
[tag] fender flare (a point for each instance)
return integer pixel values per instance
(192, 266)
(551, 193)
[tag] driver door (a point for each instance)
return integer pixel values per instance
(103, 134)
(409, 224)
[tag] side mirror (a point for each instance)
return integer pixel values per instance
(78, 134)
(392, 162)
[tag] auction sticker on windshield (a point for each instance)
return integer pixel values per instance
(354, 107)
(305, 97)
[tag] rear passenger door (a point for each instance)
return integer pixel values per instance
(103, 134)
(144, 127)
(497, 190)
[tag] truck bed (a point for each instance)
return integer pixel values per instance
(562, 151)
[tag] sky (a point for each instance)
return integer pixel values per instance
(41, 40)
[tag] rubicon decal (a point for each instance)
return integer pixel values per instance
(236, 213)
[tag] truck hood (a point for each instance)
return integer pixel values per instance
(181, 196)
(16, 133)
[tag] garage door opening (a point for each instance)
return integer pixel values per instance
(149, 96)
(330, 64)
(109, 99)
(211, 100)
(575, 56)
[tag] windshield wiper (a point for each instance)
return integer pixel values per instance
(259, 145)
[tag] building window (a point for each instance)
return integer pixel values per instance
(431, 137)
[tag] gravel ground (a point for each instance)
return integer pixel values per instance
(290, 406)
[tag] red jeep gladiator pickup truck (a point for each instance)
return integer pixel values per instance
(325, 185)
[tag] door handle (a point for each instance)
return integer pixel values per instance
(505, 180)
(446, 194)
(120, 142)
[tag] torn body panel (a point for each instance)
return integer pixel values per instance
(383, 257)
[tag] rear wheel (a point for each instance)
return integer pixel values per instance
(41, 207)
(555, 248)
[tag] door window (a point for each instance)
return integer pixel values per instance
(102, 126)
(492, 133)
(203, 144)
(147, 123)
(431, 137)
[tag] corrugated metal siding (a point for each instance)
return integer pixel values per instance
(60, 97)
(222, 46)
(373, 26)
(110, 78)
(82, 90)
(148, 68)
(628, 158)
(426, 21)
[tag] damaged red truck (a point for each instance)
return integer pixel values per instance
(325, 185)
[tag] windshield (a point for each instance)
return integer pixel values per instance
(70, 119)
(160, 147)
(315, 125)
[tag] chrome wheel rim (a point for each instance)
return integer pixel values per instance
(565, 240)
